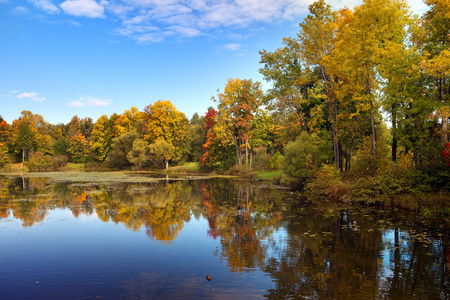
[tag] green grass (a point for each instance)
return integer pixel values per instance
(268, 175)
(190, 166)
(193, 166)
(74, 167)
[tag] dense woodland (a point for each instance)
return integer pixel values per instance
(359, 105)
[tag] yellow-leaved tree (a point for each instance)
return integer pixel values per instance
(162, 121)
(101, 137)
(130, 121)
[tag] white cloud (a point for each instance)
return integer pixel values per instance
(155, 20)
(30, 96)
(87, 101)
(191, 18)
(45, 5)
(185, 31)
(417, 6)
(84, 8)
(233, 47)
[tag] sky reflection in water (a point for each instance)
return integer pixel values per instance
(142, 241)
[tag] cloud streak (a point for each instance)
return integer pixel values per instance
(233, 47)
(87, 101)
(191, 18)
(155, 20)
(45, 5)
(84, 8)
(150, 21)
(30, 96)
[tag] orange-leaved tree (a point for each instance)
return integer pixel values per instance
(237, 105)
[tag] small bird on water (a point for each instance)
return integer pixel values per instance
(208, 277)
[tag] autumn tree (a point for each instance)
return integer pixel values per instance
(29, 133)
(5, 131)
(237, 105)
(86, 127)
(302, 86)
(73, 127)
(129, 121)
(162, 121)
(316, 41)
(102, 136)
(436, 60)
(4, 159)
(78, 148)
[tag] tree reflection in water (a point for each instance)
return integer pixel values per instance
(310, 250)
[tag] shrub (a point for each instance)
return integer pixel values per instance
(266, 162)
(304, 157)
(39, 162)
(327, 183)
(242, 171)
(391, 179)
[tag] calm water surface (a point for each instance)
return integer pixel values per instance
(159, 241)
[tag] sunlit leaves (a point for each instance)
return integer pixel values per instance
(78, 148)
(101, 138)
(162, 121)
(129, 121)
(237, 105)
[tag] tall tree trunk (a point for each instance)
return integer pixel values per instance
(444, 128)
(238, 161)
(167, 164)
(372, 121)
(394, 137)
(335, 147)
(246, 153)
(372, 117)
(23, 158)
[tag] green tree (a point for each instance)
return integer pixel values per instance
(196, 137)
(304, 157)
(120, 147)
(160, 152)
(138, 155)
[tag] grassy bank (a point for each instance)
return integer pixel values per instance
(269, 175)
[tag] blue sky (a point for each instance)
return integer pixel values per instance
(61, 58)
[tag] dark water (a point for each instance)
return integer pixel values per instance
(161, 240)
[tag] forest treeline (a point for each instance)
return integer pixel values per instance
(360, 95)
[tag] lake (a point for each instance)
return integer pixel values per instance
(160, 240)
